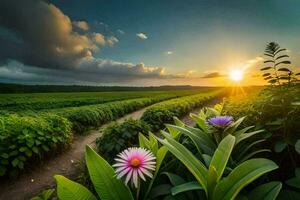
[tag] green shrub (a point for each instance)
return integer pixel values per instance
(117, 137)
(159, 114)
(25, 138)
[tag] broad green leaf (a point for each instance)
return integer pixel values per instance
(187, 158)
(245, 147)
(267, 191)
(250, 155)
(279, 146)
(153, 143)
(242, 131)
(201, 141)
(246, 136)
(289, 195)
(221, 155)
(178, 122)
(161, 153)
(104, 179)
(241, 176)
(160, 190)
(233, 126)
(294, 182)
(200, 122)
(174, 178)
(185, 187)
(143, 141)
(67, 189)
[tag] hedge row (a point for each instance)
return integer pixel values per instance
(24, 139)
(86, 117)
(159, 114)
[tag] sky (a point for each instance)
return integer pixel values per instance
(141, 42)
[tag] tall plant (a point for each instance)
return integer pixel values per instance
(277, 71)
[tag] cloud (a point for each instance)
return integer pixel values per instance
(111, 40)
(121, 31)
(46, 36)
(83, 25)
(44, 47)
(142, 36)
(168, 52)
(93, 71)
(99, 38)
(213, 75)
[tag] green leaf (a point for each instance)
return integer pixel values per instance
(103, 177)
(67, 189)
(233, 126)
(174, 178)
(187, 158)
(200, 122)
(268, 191)
(185, 187)
(250, 155)
(219, 161)
(201, 140)
(160, 190)
(246, 147)
(143, 141)
(297, 146)
(294, 182)
(247, 135)
(279, 146)
(241, 176)
(221, 155)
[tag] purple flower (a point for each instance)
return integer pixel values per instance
(220, 121)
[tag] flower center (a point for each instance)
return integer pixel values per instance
(135, 162)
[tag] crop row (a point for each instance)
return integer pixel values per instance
(86, 117)
(35, 102)
(159, 114)
(24, 139)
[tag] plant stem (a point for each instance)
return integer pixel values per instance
(138, 190)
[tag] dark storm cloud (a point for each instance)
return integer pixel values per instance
(213, 75)
(47, 47)
(47, 38)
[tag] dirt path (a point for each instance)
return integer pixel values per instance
(41, 176)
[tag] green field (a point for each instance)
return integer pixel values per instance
(34, 125)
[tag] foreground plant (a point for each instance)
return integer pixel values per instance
(211, 179)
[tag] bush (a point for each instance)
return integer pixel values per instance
(159, 114)
(117, 137)
(25, 138)
(86, 117)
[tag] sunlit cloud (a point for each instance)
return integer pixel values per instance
(83, 25)
(213, 75)
(142, 36)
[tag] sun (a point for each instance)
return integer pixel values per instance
(236, 75)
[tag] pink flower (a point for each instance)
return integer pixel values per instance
(134, 163)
